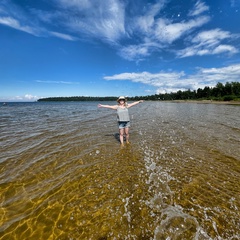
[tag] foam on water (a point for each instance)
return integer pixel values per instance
(171, 221)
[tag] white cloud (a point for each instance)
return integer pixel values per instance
(11, 22)
(133, 52)
(168, 32)
(105, 20)
(56, 82)
(158, 34)
(199, 8)
(30, 97)
(208, 43)
(99, 19)
(135, 34)
(146, 21)
(224, 48)
(23, 98)
(63, 36)
(174, 81)
(83, 4)
(211, 37)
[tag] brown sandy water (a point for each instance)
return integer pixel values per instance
(64, 176)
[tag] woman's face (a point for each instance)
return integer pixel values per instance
(122, 101)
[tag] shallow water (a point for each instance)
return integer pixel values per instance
(63, 174)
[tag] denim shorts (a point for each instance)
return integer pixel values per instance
(122, 125)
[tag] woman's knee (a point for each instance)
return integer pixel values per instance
(121, 132)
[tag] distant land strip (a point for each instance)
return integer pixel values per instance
(76, 98)
(228, 92)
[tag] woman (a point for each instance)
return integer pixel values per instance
(122, 116)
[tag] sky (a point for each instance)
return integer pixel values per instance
(63, 48)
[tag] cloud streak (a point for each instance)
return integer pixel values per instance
(57, 82)
(14, 23)
(199, 8)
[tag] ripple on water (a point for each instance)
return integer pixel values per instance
(63, 175)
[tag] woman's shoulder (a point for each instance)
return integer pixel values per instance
(122, 107)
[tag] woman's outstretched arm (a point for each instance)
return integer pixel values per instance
(114, 107)
(134, 103)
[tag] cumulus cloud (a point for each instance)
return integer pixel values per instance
(174, 81)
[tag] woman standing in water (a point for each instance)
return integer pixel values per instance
(122, 116)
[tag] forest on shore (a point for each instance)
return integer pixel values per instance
(221, 92)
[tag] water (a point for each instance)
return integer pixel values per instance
(64, 176)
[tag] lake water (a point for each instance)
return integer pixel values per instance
(64, 176)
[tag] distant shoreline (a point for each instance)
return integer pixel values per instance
(206, 102)
(166, 101)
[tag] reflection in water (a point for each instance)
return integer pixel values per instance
(63, 175)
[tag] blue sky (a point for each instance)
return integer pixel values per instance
(52, 48)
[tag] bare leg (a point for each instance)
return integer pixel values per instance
(121, 133)
(127, 134)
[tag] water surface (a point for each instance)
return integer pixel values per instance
(63, 174)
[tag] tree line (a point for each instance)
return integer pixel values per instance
(76, 98)
(221, 92)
